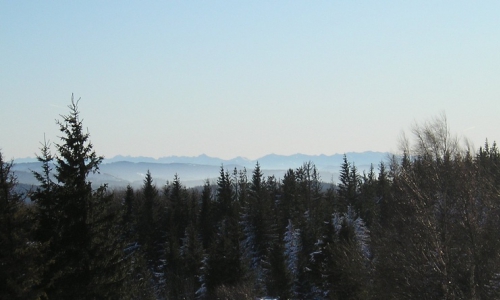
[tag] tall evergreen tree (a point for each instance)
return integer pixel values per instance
(259, 227)
(344, 186)
(348, 187)
(147, 222)
(292, 250)
(224, 199)
(177, 222)
(138, 284)
(223, 265)
(191, 254)
(368, 200)
(86, 259)
(129, 217)
(177, 209)
(45, 196)
(206, 225)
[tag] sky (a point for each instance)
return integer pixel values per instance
(234, 78)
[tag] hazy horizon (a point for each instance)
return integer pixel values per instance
(247, 79)
(227, 159)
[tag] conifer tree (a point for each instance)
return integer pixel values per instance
(147, 222)
(45, 196)
(206, 218)
(352, 254)
(292, 250)
(368, 199)
(138, 283)
(344, 186)
(348, 187)
(85, 249)
(259, 227)
(256, 210)
(191, 252)
(224, 200)
(177, 209)
(176, 224)
(223, 265)
(383, 190)
(20, 268)
(129, 220)
(287, 205)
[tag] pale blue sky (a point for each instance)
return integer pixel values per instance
(228, 78)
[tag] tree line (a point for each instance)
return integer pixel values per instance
(423, 224)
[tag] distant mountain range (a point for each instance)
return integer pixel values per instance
(120, 171)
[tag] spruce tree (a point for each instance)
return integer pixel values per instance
(348, 188)
(292, 250)
(176, 224)
(191, 252)
(129, 206)
(368, 198)
(146, 220)
(85, 250)
(206, 219)
(223, 264)
(19, 253)
(290, 207)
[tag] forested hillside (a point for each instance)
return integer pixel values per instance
(421, 225)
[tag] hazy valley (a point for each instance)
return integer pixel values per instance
(120, 171)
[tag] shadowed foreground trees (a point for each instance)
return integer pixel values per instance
(441, 239)
(424, 227)
(20, 268)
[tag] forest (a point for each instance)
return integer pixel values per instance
(421, 225)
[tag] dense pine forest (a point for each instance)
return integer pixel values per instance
(421, 225)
